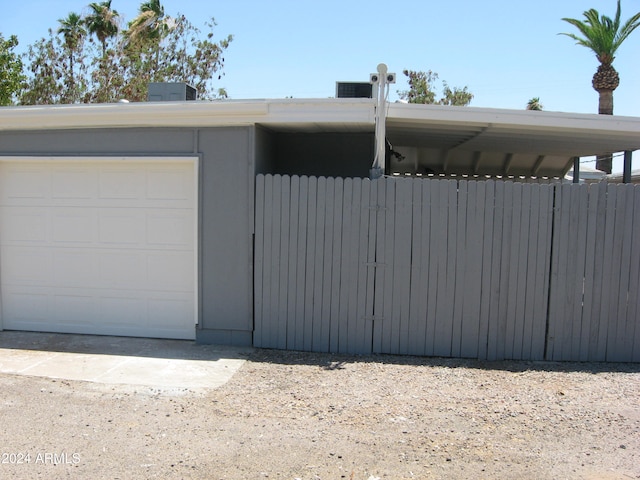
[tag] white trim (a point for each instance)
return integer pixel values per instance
(187, 114)
(193, 160)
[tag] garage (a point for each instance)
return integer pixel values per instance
(99, 245)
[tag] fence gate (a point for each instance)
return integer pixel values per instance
(407, 266)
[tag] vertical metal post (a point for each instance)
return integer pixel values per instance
(382, 79)
(626, 173)
(576, 169)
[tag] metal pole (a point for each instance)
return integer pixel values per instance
(576, 169)
(626, 174)
(382, 79)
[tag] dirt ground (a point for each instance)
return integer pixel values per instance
(288, 415)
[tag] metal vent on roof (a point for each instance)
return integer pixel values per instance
(171, 92)
(354, 90)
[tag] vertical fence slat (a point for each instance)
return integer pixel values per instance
(543, 262)
(388, 332)
(259, 263)
(460, 254)
(633, 319)
(281, 310)
(588, 346)
(292, 262)
(402, 265)
(487, 262)
(419, 252)
(437, 241)
(473, 270)
(493, 328)
(301, 255)
(621, 259)
(334, 327)
(607, 274)
(371, 242)
(272, 251)
(346, 268)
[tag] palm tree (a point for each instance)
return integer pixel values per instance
(150, 24)
(73, 31)
(534, 104)
(102, 23)
(603, 36)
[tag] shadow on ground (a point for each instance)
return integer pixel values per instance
(125, 346)
(330, 361)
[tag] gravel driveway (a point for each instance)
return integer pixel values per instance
(288, 415)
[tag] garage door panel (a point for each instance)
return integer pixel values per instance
(75, 269)
(26, 266)
(168, 312)
(74, 309)
(166, 183)
(173, 228)
(170, 271)
(73, 183)
(23, 225)
(73, 225)
(117, 183)
(121, 227)
(24, 182)
(21, 306)
(105, 248)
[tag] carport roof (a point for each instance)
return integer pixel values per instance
(451, 139)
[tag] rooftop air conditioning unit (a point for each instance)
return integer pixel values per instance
(354, 90)
(171, 92)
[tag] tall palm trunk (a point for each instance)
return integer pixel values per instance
(605, 81)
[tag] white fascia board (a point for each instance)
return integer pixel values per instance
(184, 114)
(513, 119)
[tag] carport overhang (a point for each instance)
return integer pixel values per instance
(481, 141)
(446, 140)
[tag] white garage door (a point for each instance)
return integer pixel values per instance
(99, 246)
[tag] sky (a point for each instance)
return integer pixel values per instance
(505, 51)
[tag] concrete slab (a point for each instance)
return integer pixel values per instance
(155, 363)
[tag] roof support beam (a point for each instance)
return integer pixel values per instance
(626, 174)
(507, 163)
(538, 164)
(576, 169)
(444, 160)
(476, 161)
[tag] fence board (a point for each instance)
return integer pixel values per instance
(258, 262)
(334, 327)
(373, 196)
(487, 262)
(633, 318)
(346, 267)
(491, 270)
(301, 273)
(459, 217)
(473, 274)
(417, 288)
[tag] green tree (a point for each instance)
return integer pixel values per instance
(603, 36)
(421, 90)
(46, 83)
(11, 75)
(534, 104)
(150, 25)
(73, 31)
(102, 22)
(180, 53)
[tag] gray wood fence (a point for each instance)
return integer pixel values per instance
(477, 269)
